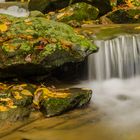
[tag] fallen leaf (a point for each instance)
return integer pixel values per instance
(3, 108)
(138, 27)
(28, 58)
(3, 27)
(26, 92)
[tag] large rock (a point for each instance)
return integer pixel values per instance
(38, 5)
(17, 100)
(35, 45)
(75, 14)
(64, 100)
(104, 6)
(122, 15)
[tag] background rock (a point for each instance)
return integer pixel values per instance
(121, 16)
(75, 14)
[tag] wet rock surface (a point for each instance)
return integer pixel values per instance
(121, 16)
(75, 14)
(18, 100)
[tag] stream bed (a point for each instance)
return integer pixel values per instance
(112, 114)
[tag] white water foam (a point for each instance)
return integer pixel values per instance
(15, 11)
(2, 0)
(118, 99)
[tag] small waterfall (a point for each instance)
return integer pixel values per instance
(117, 58)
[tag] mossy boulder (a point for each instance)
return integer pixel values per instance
(69, 99)
(122, 15)
(18, 100)
(75, 14)
(38, 5)
(46, 6)
(35, 46)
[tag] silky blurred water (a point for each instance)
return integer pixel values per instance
(119, 99)
(2, 0)
(117, 58)
(114, 77)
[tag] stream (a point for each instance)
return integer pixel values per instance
(114, 110)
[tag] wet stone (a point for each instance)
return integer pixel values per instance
(18, 100)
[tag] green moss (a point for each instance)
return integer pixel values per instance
(25, 47)
(81, 11)
(136, 2)
(129, 15)
(54, 105)
(75, 14)
(49, 49)
(18, 100)
(44, 43)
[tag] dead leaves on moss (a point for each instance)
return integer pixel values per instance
(11, 93)
(45, 93)
(6, 104)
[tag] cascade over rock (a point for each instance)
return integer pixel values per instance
(118, 57)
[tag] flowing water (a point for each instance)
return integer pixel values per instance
(114, 76)
(118, 57)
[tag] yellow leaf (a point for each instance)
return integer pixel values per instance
(137, 27)
(48, 93)
(28, 21)
(12, 107)
(3, 108)
(3, 27)
(9, 48)
(17, 95)
(26, 92)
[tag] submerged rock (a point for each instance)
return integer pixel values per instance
(122, 15)
(35, 46)
(17, 100)
(75, 14)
